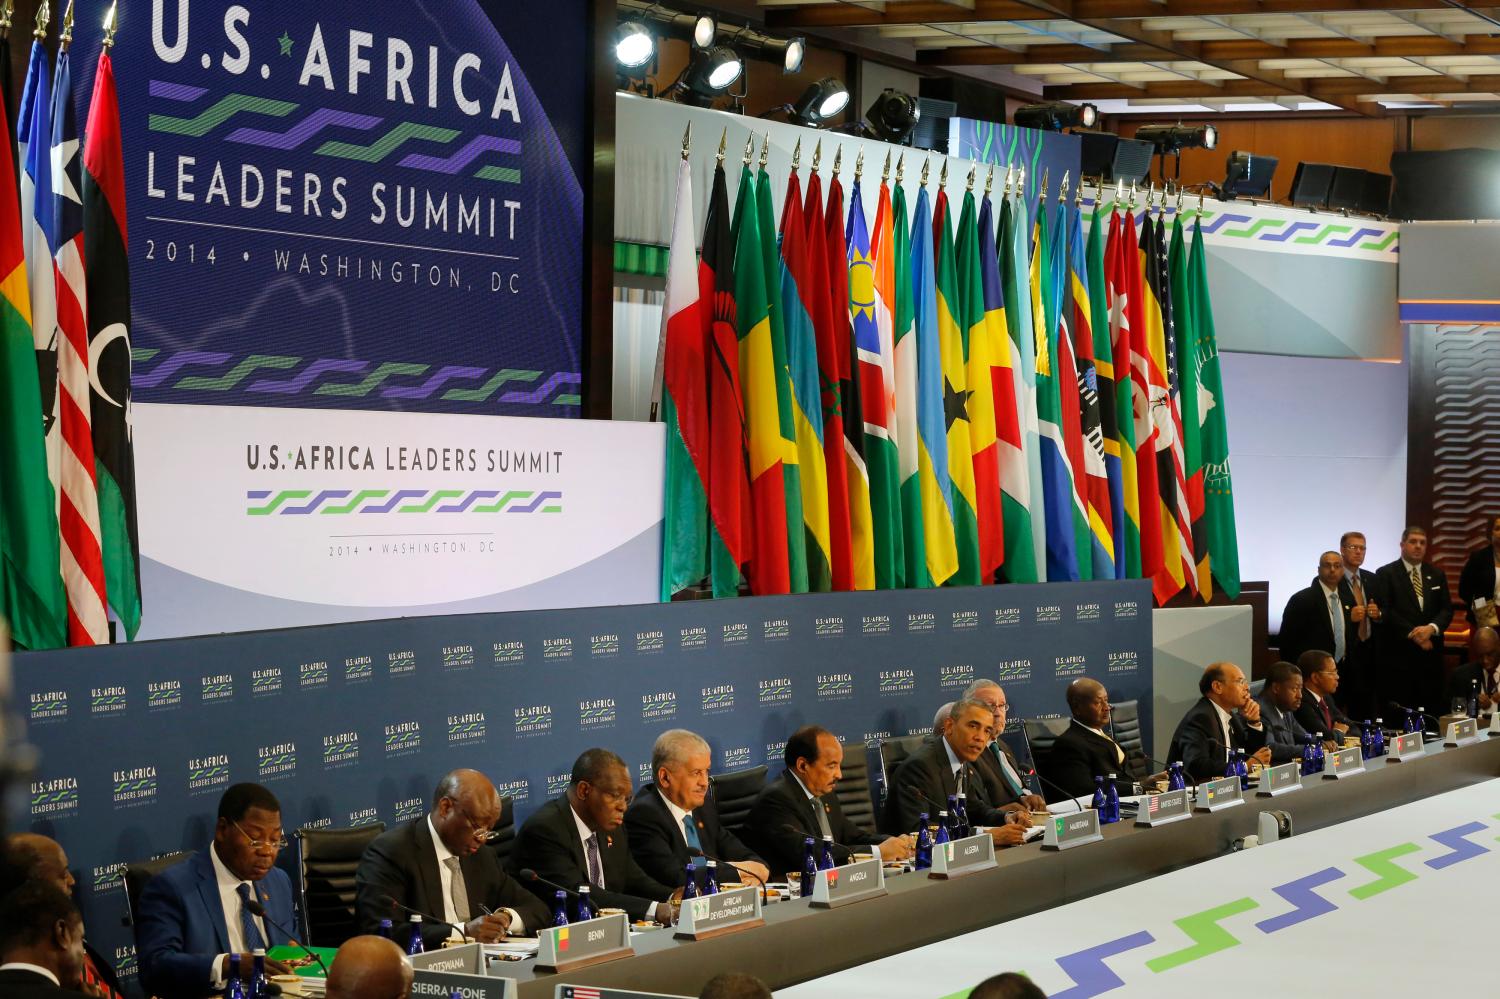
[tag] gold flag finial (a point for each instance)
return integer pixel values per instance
(943, 177)
(5, 16)
(749, 149)
(66, 38)
(765, 150)
(989, 182)
(1062, 189)
(1010, 177)
(1078, 193)
(723, 143)
(797, 155)
(969, 184)
(926, 164)
(687, 134)
(1046, 176)
(43, 18)
(859, 165)
(1119, 192)
(838, 159)
(1021, 182)
(900, 168)
(111, 25)
(1200, 202)
(885, 173)
(817, 155)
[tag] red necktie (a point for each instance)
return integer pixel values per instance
(1327, 717)
(92, 976)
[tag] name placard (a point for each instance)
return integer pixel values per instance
(1343, 763)
(962, 856)
(720, 913)
(1063, 832)
(465, 960)
(1170, 806)
(1406, 747)
(1279, 780)
(1216, 795)
(578, 945)
(1462, 732)
(444, 984)
(851, 883)
(1494, 726)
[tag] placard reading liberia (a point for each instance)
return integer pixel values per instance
(354, 205)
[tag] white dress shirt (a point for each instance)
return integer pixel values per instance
(678, 814)
(1119, 753)
(445, 876)
(229, 899)
(35, 969)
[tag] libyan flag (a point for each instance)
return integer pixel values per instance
(108, 289)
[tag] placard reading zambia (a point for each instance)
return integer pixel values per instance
(354, 205)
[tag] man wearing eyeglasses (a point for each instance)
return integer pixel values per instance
(195, 915)
(439, 865)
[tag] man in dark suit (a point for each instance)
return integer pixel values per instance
(1476, 584)
(1357, 589)
(672, 819)
(1318, 711)
(576, 840)
(41, 943)
(940, 767)
(1317, 617)
(438, 864)
(1418, 609)
(1225, 718)
(32, 856)
(997, 764)
(801, 803)
(1278, 713)
(194, 915)
(1483, 674)
(1085, 750)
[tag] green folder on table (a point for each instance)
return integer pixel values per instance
(286, 953)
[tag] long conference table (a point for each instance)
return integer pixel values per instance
(799, 943)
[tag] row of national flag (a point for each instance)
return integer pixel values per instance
(960, 394)
(68, 537)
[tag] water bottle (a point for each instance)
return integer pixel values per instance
(690, 883)
(1242, 769)
(923, 851)
(1365, 741)
(943, 836)
(1378, 736)
(825, 859)
(585, 910)
(560, 908)
(952, 814)
(414, 937)
(1319, 757)
(711, 879)
(1176, 778)
(1099, 802)
(387, 929)
(1307, 756)
(1473, 699)
(1112, 799)
(964, 828)
(236, 989)
(810, 863)
(258, 974)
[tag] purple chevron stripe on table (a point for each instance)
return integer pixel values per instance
(1289, 231)
(291, 386)
(175, 91)
(1454, 839)
(432, 384)
(316, 501)
(1300, 893)
(536, 502)
(545, 389)
(390, 504)
(175, 363)
(1220, 220)
(304, 129)
(1090, 974)
(474, 148)
(469, 501)
(1358, 235)
(257, 493)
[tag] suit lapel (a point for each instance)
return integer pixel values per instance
(429, 879)
(208, 892)
(801, 805)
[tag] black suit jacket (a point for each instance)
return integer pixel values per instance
(1199, 742)
(1310, 716)
(20, 984)
(1402, 613)
(549, 844)
(1077, 757)
(656, 839)
(1478, 578)
(1369, 585)
(1460, 683)
(1284, 734)
(1306, 623)
(402, 863)
(923, 783)
(782, 818)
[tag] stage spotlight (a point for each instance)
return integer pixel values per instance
(1175, 138)
(893, 115)
(1054, 116)
(635, 46)
(788, 52)
(710, 72)
(705, 29)
(820, 102)
(1247, 175)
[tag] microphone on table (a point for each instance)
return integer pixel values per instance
(1167, 767)
(1436, 721)
(697, 852)
(256, 909)
(396, 904)
(1030, 753)
(527, 874)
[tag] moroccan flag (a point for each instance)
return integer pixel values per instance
(908, 433)
(728, 480)
(1059, 494)
(955, 399)
(796, 541)
(108, 284)
(1184, 361)
(684, 404)
(825, 320)
(1119, 256)
(1093, 474)
(1104, 369)
(34, 143)
(767, 570)
(807, 403)
(870, 312)
(932, 470)
(1010, 457)
(1022, 482)
(32, 600)
(1220, 552)
(861, 528)
(974, 327)
(1168, 580)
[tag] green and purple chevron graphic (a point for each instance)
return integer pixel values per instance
(301, 502)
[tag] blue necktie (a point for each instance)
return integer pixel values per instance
(253, 939)
(691, 831)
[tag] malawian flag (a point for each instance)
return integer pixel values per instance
(766, 571)
(870, 312)
(1185, 363)
(108, 282)
(1119, 256)
(1104, 368)
(908, 434)
(1022, 476)
(1015, 517)
(955, 399)
(974, 327)
(1059, 496)
(1093, 475)
(791, 479)
(34, 141)
(861, 526)
(32, 601)
(807, 404)
(932, 457)
(1142, 401)
(1168, 580)
(728, 481)
(821, 296)
(1220, 552)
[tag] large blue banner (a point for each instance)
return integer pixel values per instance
(353, 205)
(355, 723)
